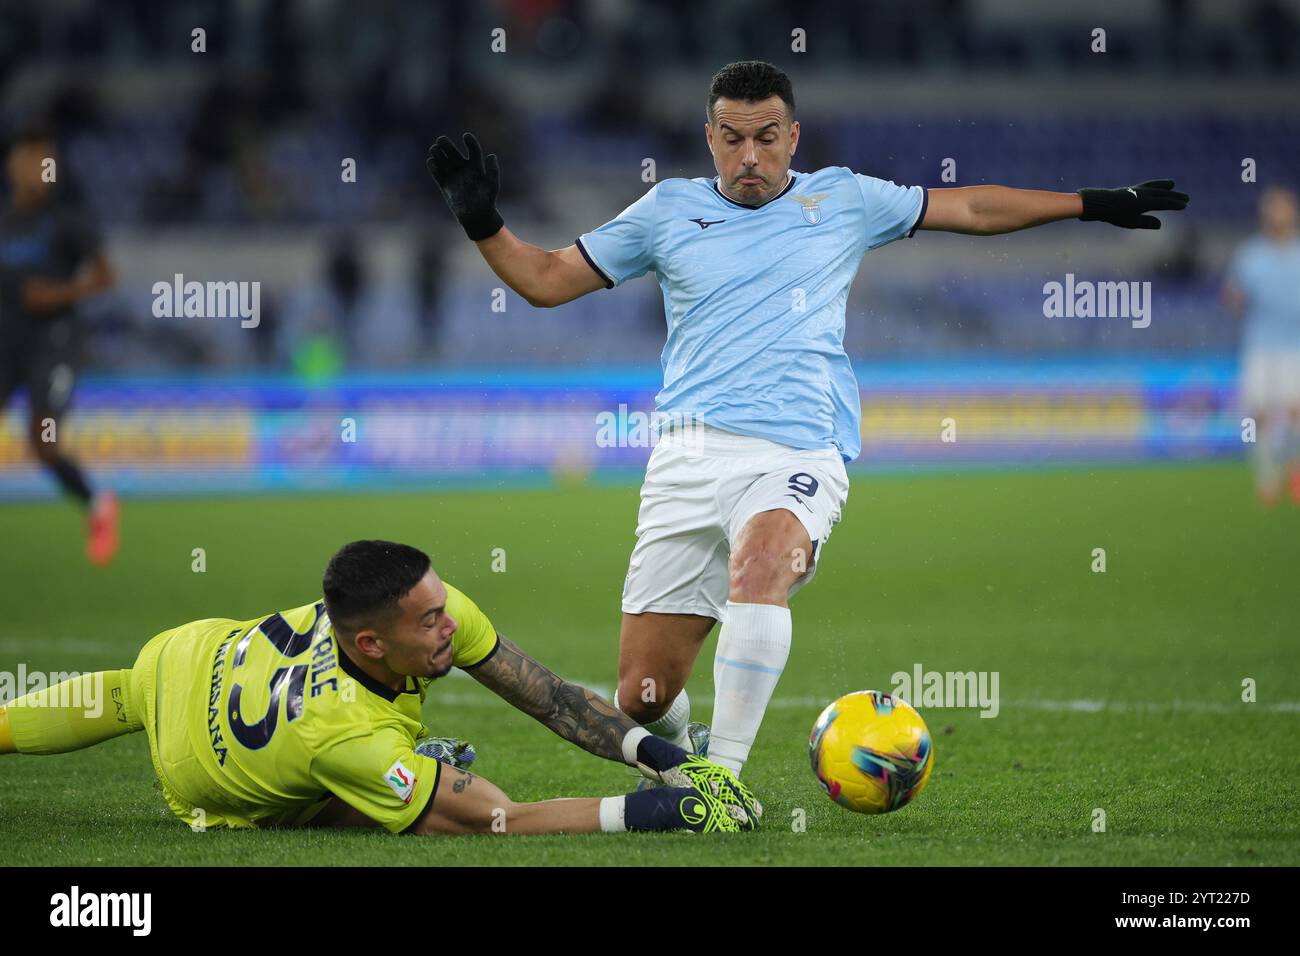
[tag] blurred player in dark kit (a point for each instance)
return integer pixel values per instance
(51, 258)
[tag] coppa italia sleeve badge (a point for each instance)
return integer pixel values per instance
(401, 780)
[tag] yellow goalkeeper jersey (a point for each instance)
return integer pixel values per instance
(259, 722)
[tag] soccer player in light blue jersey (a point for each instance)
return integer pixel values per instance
(1263, 288)
(759, 402)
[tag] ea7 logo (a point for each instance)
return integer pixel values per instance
(102, 909)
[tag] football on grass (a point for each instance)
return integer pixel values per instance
(871, 752)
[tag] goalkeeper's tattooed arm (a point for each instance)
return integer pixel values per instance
(575, 713)
(994, 210)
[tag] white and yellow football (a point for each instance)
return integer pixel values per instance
(871, 752)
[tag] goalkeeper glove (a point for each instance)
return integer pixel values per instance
(713, 779)
(666, 763)
(469, 184)
(1127, 207)
(459, 753)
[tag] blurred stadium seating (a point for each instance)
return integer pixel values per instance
(226, 164)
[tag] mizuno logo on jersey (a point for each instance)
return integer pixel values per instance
(705, 223)
(812, 210)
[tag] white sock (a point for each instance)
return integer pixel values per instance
(672, 725)
(753, 646)
(1270, 452)
(611, 815)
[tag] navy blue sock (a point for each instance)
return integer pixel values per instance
(657, 809)
(659, 754)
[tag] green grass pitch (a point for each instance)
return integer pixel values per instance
(1120, 691)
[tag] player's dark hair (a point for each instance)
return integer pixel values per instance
(365, 579)
(751, 81)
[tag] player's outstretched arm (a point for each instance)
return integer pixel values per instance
(544, 279)
(470, 184)
(993, 210)
(467, 803)
(585, 718)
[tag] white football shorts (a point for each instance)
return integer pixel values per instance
(1270, 379)
(701, 486)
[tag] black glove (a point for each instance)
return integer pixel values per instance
(469, 184)
(1125, 207)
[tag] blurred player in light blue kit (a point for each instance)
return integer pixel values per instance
(1264, 288)
(761, 401)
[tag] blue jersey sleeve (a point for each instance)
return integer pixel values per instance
(892, 211)
(623, 248)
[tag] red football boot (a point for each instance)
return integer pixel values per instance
(101, 529)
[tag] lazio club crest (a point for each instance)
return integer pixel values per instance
(812, 210)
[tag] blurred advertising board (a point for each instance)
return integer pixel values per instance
(210, 435)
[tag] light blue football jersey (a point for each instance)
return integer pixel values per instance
(1268, 273)
(755, 297)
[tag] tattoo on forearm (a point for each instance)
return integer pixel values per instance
(573, 712)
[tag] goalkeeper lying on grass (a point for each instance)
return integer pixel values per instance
(311, 717)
